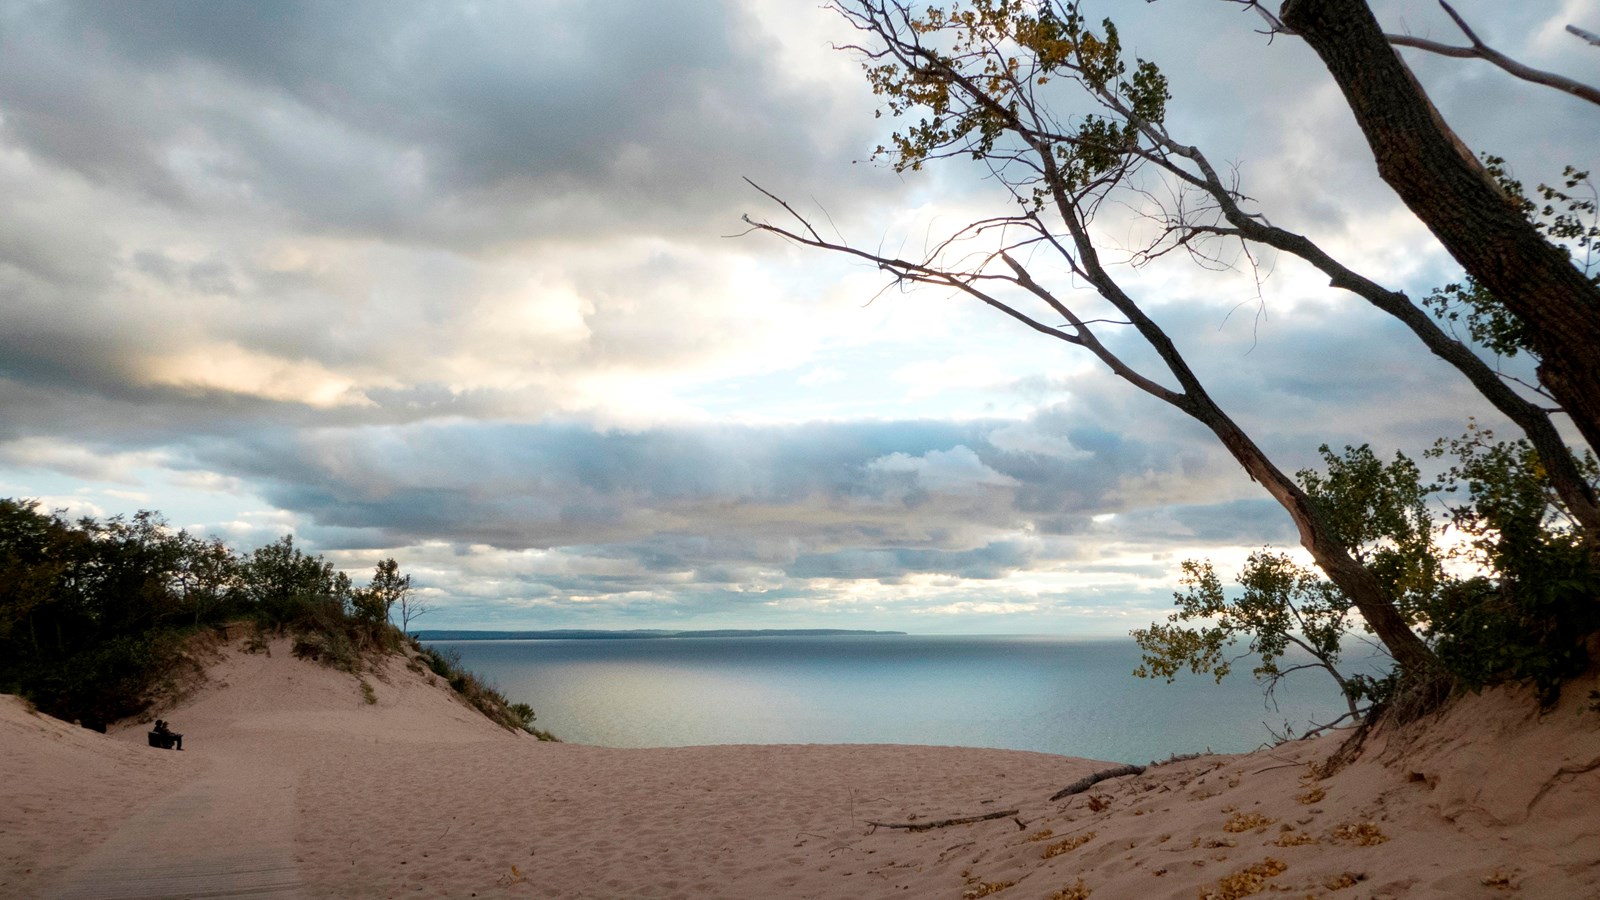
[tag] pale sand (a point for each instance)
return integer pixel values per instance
(292, 786)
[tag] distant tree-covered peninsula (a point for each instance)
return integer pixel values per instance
(585, 634)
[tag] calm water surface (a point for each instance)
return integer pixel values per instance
(1056, 695)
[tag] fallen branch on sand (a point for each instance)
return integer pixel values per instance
(1089, 781)
(943, 823)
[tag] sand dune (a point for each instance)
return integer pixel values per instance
(293, 786)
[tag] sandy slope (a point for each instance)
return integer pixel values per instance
(294, 786)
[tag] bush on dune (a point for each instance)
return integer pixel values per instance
(1511, 599)
(97, 618)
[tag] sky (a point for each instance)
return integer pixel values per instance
(466, 284)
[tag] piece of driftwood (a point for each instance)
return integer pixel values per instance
(1089, 781)
(944, 823)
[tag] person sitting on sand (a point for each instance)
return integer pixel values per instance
(168, 734)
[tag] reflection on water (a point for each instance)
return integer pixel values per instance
(1055, 695)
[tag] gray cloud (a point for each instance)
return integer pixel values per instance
(471, 125)
(695, 510)
(1256, 522)
(984, 563)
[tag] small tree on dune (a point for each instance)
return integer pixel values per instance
(411, 607)
(375, 603)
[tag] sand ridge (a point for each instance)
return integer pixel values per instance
(417, 795)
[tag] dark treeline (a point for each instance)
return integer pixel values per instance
(95, 615)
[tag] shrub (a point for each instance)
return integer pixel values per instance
(523, 713)
(111, 681)
(1528, 616)
(442, 662)
(1531, 620)
(480, 695)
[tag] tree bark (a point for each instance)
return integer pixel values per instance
(1438, 178)
(1357, 582)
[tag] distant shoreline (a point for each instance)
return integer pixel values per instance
(590, 634)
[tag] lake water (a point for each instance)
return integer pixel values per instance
(1073, 697)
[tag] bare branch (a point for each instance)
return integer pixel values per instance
(1354, 715)
(1026, 281)
(1275, 25)
(1575, 490)
(1479, 50)
(945, 823)
(1589, 36)
(920, 273)
(786, 206)
(1089, 781)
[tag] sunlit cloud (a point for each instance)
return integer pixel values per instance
(232, 369)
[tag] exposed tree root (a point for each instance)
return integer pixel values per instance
(1563, 772)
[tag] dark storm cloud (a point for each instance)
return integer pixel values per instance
(480, 123)
(55, 356)
(1256, 522)
(805, 499)
(989, 562)
(75, 387)
(1242, 521)
(549, 485)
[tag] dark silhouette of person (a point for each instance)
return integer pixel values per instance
(167, 734)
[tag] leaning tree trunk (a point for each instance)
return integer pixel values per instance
(1357, 582)
(1354, 579)
(1445, 186)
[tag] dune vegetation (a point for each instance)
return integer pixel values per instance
(98, 619)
